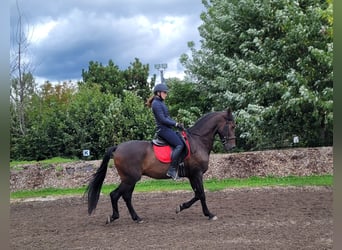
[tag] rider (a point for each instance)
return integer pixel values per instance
(164, 124)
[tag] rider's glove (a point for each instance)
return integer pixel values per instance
(179, 126)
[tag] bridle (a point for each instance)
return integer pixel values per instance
(226, 138)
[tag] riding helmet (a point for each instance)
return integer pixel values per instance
(161, 87)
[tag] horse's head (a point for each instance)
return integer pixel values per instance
(226, 131)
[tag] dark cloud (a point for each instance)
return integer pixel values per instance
(121, 30)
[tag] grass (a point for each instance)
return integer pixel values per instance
(55, 160)
(169, 185)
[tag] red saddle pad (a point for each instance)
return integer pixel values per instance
(163, 153)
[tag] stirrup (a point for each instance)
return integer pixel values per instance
(175, 177)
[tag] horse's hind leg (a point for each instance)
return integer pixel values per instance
(114, 197)
(127, 196)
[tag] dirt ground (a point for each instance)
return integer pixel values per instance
(259, 218)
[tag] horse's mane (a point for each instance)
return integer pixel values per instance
(202, 121)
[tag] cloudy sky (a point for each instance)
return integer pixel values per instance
(66, 35)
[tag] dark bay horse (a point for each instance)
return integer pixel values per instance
(133, 159)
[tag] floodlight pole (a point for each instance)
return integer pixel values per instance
(161, 67)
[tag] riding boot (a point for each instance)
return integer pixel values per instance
(175, 158)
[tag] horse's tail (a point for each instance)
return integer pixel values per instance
(95, 184)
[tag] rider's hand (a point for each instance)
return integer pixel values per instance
(179, 126)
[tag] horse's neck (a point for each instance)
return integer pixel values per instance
(205, 132)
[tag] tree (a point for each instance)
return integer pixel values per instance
(109, 77)
(186, 102)
(97, 120)
(113, 80)
(271, 60)
(136, 77)
(22, 81)
(63, 119)
(22, 90)
(135, 121)
(46, 118)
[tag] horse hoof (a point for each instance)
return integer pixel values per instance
(178, 209)
(109, 219)
(213, 218)
(139, 221)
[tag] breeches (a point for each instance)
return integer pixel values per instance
(171, 137)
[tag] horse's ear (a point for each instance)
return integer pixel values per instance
(229, 114)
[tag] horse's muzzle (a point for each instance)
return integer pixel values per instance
(229, 146)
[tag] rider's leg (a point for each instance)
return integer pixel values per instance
(175, 159)
(175, 141)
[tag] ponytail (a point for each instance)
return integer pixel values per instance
(149, 101)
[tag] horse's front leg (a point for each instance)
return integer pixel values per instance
(197, 185)
(124, 190)
(186, 205)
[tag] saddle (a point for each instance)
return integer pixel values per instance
(163, 150)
